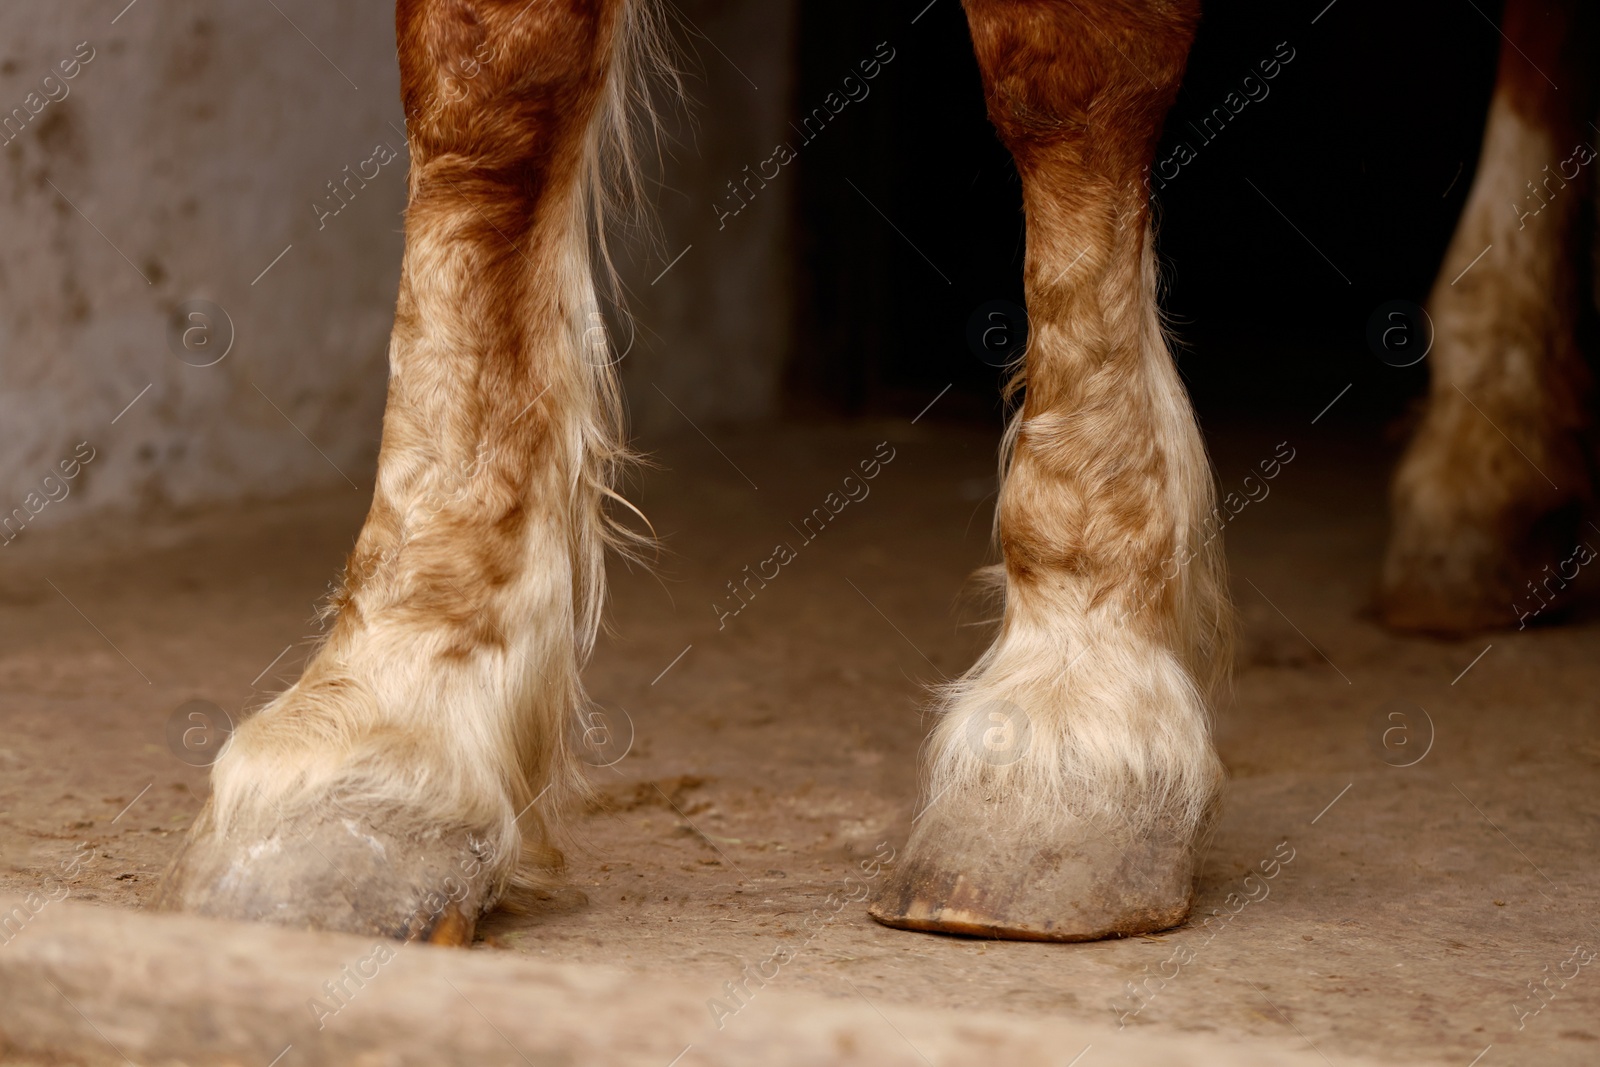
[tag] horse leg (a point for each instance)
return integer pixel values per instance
(1490, 492)
(398, 785)
(1072, 771)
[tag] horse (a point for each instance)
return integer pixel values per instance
(414, 774)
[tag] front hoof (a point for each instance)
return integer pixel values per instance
(979, 869)
(329, 870)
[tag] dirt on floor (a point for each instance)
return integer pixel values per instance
(1405, 866)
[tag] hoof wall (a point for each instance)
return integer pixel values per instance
(1413, 608)
(327, 872)
(975, 873)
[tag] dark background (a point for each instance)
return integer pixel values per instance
(1368, 141)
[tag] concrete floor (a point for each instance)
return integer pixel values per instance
(769, 756)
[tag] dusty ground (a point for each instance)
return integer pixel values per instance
(771, 755)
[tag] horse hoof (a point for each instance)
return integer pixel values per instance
(975, 868)
(1478, 583)
(329, 870)
(1415, 607)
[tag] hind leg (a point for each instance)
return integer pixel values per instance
(397, 786)
(1072, 770)
(1491, 489)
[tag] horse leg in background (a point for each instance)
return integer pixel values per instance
(1488, 498)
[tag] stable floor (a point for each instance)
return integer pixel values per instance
(1432, 912)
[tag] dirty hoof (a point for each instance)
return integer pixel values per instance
(1471, 579)
(334, 870)
(1410, 605)
(974, 868)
